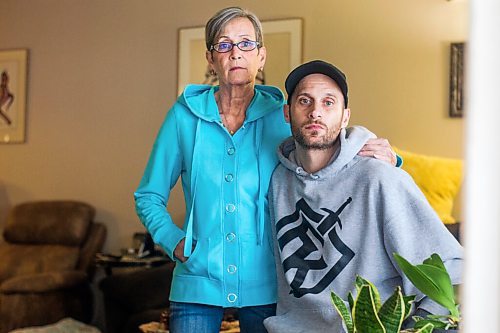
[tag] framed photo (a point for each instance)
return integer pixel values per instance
(13, 73)
(457, 79)
(282, 39)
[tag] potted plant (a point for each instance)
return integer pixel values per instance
(368, 315)
(433, 280)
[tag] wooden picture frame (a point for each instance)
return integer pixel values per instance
(282, 39)
(457, 80)
(13, 71)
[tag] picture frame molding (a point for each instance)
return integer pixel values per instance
(457, 89)
(15, 63)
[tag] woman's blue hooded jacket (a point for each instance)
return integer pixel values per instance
(225, 180)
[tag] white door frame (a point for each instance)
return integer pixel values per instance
(480, 296)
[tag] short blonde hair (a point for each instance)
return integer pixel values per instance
(218, 22)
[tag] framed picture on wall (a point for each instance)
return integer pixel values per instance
(282, 39)
(457, 79)
(13, 73)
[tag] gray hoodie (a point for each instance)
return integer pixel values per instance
(346, 220)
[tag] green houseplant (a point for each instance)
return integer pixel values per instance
(433, 280)
(368, 315)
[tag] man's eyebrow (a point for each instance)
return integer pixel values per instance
(304, 94)
(332, 95)
(308, 95)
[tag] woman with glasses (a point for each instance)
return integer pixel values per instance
(221, 140)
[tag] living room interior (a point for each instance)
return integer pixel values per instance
(103, 74)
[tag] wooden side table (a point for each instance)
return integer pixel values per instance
(109, 261)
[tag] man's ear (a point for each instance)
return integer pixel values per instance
(345, 118)
(286, 112)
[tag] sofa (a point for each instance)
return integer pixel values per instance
(440, 180)
(47, 263)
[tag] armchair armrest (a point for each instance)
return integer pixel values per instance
(43, 282)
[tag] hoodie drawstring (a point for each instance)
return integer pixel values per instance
(188, 244)
(260, 208)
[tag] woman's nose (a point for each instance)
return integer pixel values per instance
(235, 53)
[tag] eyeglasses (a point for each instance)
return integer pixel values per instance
(244, 45)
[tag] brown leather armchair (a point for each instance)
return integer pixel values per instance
(47, 263)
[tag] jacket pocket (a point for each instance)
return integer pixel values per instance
(197, 263)
(258, 260)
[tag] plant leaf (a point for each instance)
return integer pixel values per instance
(442, 279)
(376, 296)
(430, 280)
(360, 282)
(341, 308)
(444, 317)
(392, 312)
(435, 260)
(436, 323)
(416, 276)
(449, 320)
(428, 328)
(350, 299)
(364, 312)
(408, 301)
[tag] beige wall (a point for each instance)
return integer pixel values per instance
(102, 75)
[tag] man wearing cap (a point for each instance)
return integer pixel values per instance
(336, 214)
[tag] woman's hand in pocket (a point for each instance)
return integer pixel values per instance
(179, 250)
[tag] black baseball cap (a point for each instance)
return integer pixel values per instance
(315, 67)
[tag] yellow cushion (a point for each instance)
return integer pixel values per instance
(438, 178)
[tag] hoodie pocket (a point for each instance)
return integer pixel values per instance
(258, 260)
(197, 263)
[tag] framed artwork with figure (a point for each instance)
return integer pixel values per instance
(282, 38)
(13, 64)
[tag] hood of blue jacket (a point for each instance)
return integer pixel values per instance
(198, 99)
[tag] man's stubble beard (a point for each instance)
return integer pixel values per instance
(328, 141)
